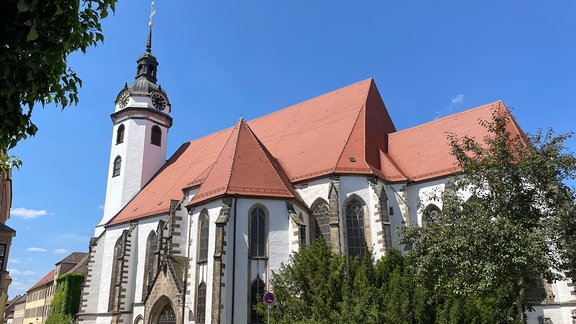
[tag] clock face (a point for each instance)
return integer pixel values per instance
(124, 98)
(158, 101)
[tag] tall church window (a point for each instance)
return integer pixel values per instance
(120, 134)
(156, 137)
(256, 294)
(116, 277)
(117, 166)
(320, 221)
(203, 236)
(201, 303)
(258, 232)
(356, 233)
(149, 264)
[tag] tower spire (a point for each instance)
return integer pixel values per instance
(147, 63)
(149, 40)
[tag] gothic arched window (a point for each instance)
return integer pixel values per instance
(116, 276)
(256, 294)
(258, 232)
(149, 264)
(203, 234)
(156, 137)
(430, 214)
(167, 315)
(120, 134)
(320, 221)
(117, 166)
(201, 303)
(356, 233)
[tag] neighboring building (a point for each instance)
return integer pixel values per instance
(195, 238)
(6, 235)
(15, 308)
(39, 297)
(38, 300)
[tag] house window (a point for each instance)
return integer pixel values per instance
(120, 134)
(258, 232)
(256, 295)
(2, 256)
(320, 221)
(117, 164)
(156, 137)
(201, 303)
(356, 235)
(203, 236)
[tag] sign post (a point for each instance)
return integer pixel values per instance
(269, 299)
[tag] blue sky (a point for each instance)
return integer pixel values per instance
(222, 60)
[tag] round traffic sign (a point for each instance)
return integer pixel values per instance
(269, 298)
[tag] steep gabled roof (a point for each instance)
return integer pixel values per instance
(244, 167)
(307, 140)
(347, 131)
(423, 152)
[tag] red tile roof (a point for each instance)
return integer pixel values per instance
(423, 152)
(244, 167)
(48, 278)
(347, 131)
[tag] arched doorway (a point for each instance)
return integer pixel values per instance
(166, 315)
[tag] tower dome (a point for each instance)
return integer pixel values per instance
(145, 83)
(141, 121)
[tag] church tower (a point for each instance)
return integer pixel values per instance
(141, 121)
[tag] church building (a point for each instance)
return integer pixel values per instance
(194, 238)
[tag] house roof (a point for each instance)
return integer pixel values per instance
(347, 131)
(48, 278)
(74, 257)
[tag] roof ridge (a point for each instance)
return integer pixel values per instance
(393, 163)
(235, 130)
(349, 136)
(467, 111)
(274, 163)
(235, 150)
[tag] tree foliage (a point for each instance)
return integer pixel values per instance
(67, 298)
(515, 227)
(36, 38)
(319, 286)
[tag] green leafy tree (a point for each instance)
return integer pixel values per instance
(36, 39)
(515, 226)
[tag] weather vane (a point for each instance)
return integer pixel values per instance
(152, 13)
